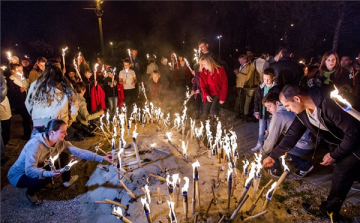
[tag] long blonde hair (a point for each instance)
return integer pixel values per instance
(213, 64)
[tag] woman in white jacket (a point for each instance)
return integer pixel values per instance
(32, 170)
(51, 96)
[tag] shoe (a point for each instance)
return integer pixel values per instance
(72, 180)
(257, 147)
(302, 173)
(34, 200)
(356, 186)
(275, 173)
(314, 210)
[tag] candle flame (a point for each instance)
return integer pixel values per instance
(71, 163)
(53, 159)
(135, 133)
(117, 211)
(147, 56)
(186, 185)
(95, 68)
(145, 204)
(148, 193)
(8, 55)
(64, 49)
(251, 174)
(286, 168)
(3, 68)
(183, 147)
(268, 195)
(153, 145)
(335, 95)
(175, 178)
(169, 134)
(230, 170)
(246, 164)
(195, 166)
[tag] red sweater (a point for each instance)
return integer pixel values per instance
(216, 83)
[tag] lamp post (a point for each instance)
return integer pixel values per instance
(99, 12)
(219, 37)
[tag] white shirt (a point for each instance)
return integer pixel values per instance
(128, 78)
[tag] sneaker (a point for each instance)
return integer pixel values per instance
(257, 147)
(356, 186)
(302, 173)
(275, 173)
(72, 180)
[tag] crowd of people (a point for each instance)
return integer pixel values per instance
(290, 100)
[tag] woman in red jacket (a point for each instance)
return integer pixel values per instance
(213, 84)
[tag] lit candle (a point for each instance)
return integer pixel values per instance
(63, 55)
(68, 167)
(118, 213)
(135, 147)
(184, 190)
(146, 209)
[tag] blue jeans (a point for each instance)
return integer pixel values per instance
(263, 125)
(294, 157)
(112, 104)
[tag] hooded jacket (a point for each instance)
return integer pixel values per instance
(258, 106)
(343, 129)
(279, 125)
(37, 151)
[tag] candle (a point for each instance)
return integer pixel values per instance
(135, 147)
(344, 104)
(269, 195)
(146, 209)
(128, 50)
(229, 183)
(184, 191)
(258, 197)
(118, 213)
(187, 64)
(172, 212)
(8, 55)
(63, 55)
(195, 166)
(52, 162)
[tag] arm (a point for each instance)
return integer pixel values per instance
(203, 85)
(275, 129)
(74, 109)
(292, 136)
(224, 85)
(345, 122)
(82, 154)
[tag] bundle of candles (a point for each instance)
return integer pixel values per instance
(221, 149)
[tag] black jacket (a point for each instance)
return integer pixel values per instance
(258, 106)
(110, 91)
(344, 130)
(287, 71)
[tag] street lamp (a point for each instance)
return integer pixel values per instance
(219, 37)
(112, 50)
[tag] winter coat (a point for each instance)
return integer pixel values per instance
(35, 73)
(59, 108)
(244, 75)
(37, 151)
(280, 123)
(16, 97)
(258, 106)
(97, 98)
(287, 71)
(110, 91)
(343, 129)
(220, 80)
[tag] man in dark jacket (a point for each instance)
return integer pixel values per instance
(325, 119)
(287, 71)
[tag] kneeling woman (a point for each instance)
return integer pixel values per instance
(31, 169)
(213, 84)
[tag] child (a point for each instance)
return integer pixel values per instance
(155, 89)
(259, 110)
(280, 123)
(89, 82)
(127, 78)
(83, 116)
(110, 89)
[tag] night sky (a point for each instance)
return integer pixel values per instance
(157, 27)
